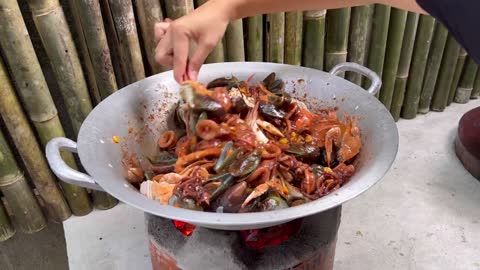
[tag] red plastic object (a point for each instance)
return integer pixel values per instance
(272, 236)
(185, 228)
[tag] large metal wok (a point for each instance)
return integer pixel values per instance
(147, 107)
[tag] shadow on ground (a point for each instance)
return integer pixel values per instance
(44, 250)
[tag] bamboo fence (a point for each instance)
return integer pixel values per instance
(422, 66)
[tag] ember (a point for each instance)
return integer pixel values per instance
(185, 228)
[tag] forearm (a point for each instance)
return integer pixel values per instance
(238, 9)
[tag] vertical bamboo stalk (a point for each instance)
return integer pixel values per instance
(84, 54)
(378, 40)
(149, 12)
(90, 16)
(33, 90)
(465, 86)
(293, 37)
(29, 150)
(17, 192)
(433, 67)
(417, 68)
(254, 39)
(396, 31)
(404, 65)
(462, 56)
(360, 25)
(59, 46)
(235, 48)
(445, 75)
(177, 8)
(476, 87)
(314, 38)
(275, 37)
(217, 55)
(127, 40)
(337, 26)
(6, 228)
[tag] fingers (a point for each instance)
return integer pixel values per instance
(180, 53)
(160, 29)
(164, 51)
(198, 57)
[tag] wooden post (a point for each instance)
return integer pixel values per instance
(234, 43)
(445, 75)
(417, 68)
(293, 37)
(28, 148)
(6, 228)
(275, 31)
(462, 56)
(433, 67)
(149, 12)
(360, 26)
(34, 93)
(314, 38)
(396, 30)
(465, 86)
(337, 26)
(61, 51)
(126, 40)
(90, 16)
(217, 55)
(378, 40)
(404, 65)
(254, 38)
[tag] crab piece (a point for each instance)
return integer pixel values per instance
(162, 190)
(351, 141)
(332, 136)
(251, 121)
(269, 128)
(257, 192)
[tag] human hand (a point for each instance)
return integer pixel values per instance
(185, 43)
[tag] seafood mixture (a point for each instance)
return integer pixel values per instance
(244, 147)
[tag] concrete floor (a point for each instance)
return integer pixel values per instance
(424, 214)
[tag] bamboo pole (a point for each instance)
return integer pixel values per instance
(234, 46)
(417, 69)
(254, 38)
(149, 12)
(360, 26)
(6, 228)
(314, 38)
(476, 86)
(59, 46)
(433, 67)
(337, 26)
(127, 40)
(465, 86)
(17, 192)
(29, 150)
(90, 16)
(404, 64)
(33, 90)
(462, 56)
(275, 37)
(217, 55)
(177, 8)
(84, 54)
(396, 30)
(445, 75)
(378, 40)
(293, 37)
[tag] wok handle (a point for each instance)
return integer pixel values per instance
(349, 66)
(61, 169)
